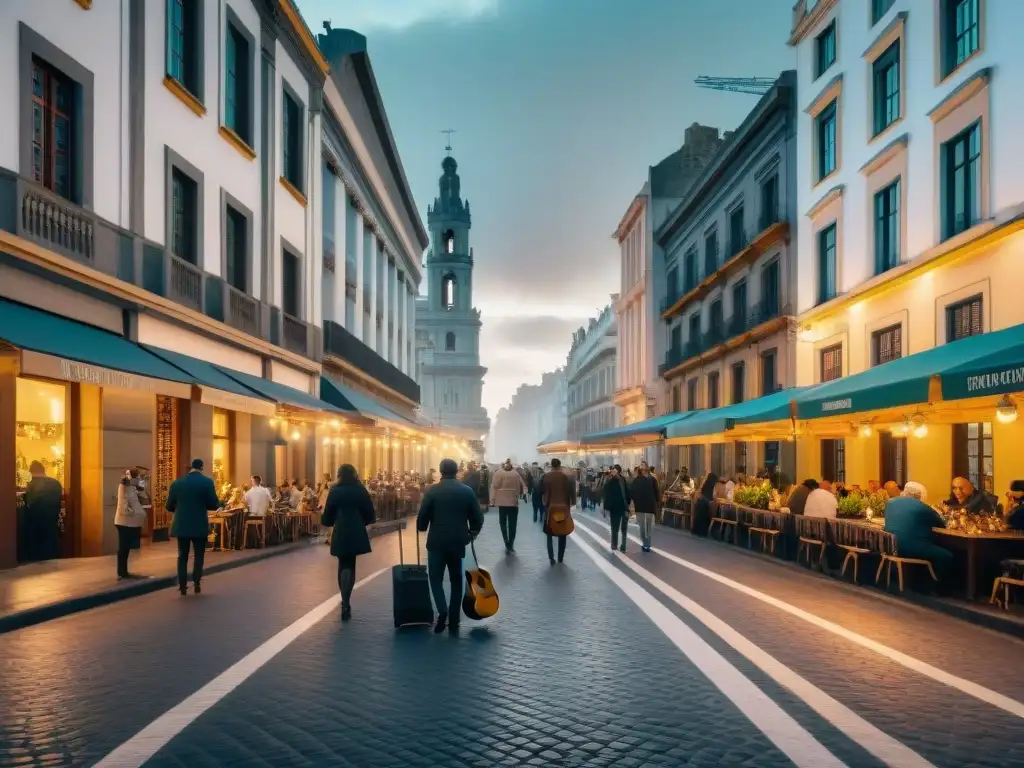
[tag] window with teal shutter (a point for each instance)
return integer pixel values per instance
(827, 263)
(184, 44)
(887, 228)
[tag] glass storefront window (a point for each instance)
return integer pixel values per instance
(40, 467)
(221, 448)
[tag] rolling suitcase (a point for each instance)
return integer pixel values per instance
(411, 590)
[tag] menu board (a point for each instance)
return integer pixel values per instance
(166, 468)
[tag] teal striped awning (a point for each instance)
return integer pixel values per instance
(649, 430)
(350, 398)
(761, 410)
(283, 394)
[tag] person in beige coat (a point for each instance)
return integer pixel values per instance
(506, 488)
(128, 519)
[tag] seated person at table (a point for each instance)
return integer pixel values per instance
(970, 499)
(798, 498)
(911, 521)
(1015, 506)
(258, 498)
(821, 502)
(891, 489)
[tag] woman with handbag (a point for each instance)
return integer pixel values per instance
(559, 496)
(128, 519)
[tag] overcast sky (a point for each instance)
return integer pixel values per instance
(559, 107)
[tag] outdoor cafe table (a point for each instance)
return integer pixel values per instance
(971, 543)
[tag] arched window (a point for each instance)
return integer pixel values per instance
(449, 241)
(449, 342)
(448, 291)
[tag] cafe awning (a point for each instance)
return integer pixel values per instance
(761, 410)
(56, 347)
(650, 430)
(961, 367)
(216, 388)
(285, 395)
(349, 398)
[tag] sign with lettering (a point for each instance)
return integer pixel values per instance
(842, 404)
(996, 381)
(51, 367)
(230, 401)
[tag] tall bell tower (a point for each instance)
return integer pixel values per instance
(450, 261)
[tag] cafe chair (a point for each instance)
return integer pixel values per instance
(811, 532)
(259, 525)
(888, 560)
(1013, 576)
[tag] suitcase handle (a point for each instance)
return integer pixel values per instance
(401, 548)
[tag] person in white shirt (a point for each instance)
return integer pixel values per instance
(821, 502)
(257, 498)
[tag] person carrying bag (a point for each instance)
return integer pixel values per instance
(559, 496)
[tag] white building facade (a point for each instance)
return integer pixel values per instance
(909, 188)
(535, 412)
(591, 372)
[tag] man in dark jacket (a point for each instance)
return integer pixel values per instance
(616, 503)
(558, 493)
(42, 515)
(191, 498)
(450, 513)
(477, 479)
(646, 495)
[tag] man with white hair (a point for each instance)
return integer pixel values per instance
(911, 520)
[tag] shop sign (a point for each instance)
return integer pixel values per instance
(843, 404)
(218, 398)
(996, 381)
(48, 366)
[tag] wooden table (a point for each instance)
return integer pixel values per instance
(971, 545)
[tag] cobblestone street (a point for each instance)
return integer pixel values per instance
(690, 655)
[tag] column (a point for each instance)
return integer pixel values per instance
(382, 300)
(357, 250)
(393, 312)
(368, 241)
(403, 324)
(410, 344)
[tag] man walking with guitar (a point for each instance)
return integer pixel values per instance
(559, 496)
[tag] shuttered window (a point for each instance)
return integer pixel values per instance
(832, 362)
(887, 344)
(964, 319)
(833, 460)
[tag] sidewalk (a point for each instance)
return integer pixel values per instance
(37, 592)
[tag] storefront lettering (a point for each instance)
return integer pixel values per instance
(997, 379)
(103, 377)
(837, 405)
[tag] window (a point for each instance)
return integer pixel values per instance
(972, 454)
(185, 44)
(221, 469)
(718, 459)
(825, 123)
(740, 458)
(449, 342)
(236, 249)
(690, 270)
(713, 387)
(825, 49)
(696, 460)
(676, 336)
(833, 460)
(827, 263)
(739, 307)
(962, 181)
(769, 374)
(960, 31)
(893, 458)
(885, 77)
(879, 9)
(737, 232)
(832, 362)
(738, 382)
(769, 201)
(887, 344)
(710, 254)
(185, 232)
(291, 140)
(716, 322)
(771, 455)
(449, 242)
(53, 129)
(677, 404)
(448, 291)
(291, 296)
(964, 319)
(691, 395)
(770, 290)
(238, 83)
(887, 228)
(673, 284)
(694, 336)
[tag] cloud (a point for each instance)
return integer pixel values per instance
(532, 332)
(396, 15)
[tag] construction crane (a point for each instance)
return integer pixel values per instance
(756, 86)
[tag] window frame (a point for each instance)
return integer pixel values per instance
(692, 395)
(950, 48)
(835, 349)
(229, 203)
(822, 63)
(821, 236)
(293, 141)
(31, 45)
(711, 237)
(877, 336)
(829, 115)
(879, 8)
(174, 162)
(769, 217)
(973, 176)
(772, 355)
(835, 448)
(192, 78)
(772, 266)
(289, 250)
(951, 310)
(739, 367)
(888, 230)
(714, 384)
(449, 341)
(887, 67)
(984, 445)
(248, 90)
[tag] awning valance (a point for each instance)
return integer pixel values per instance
(766, 409)
(285, 395)
(981, 365)
(59, 348)
(350, 398)
(217, 388)
(649, 430)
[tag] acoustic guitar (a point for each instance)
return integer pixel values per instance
(480, 600)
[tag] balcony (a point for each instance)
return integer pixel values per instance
(51, 222)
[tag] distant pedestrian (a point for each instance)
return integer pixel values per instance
(128, 519)
(702, 506)
(349, 509)
(191, 498)
(537, 498)
(616, 505)
(450, 513)
(506, 489)
(558, 496)
(646, 495)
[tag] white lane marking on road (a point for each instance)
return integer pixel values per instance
(792, 739)
(147, 742)
(963, 685)
(880, 744)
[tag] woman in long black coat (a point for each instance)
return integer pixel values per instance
(349, 509)
(702, 506)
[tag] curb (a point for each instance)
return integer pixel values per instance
(1008, 625)
(44, 613)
